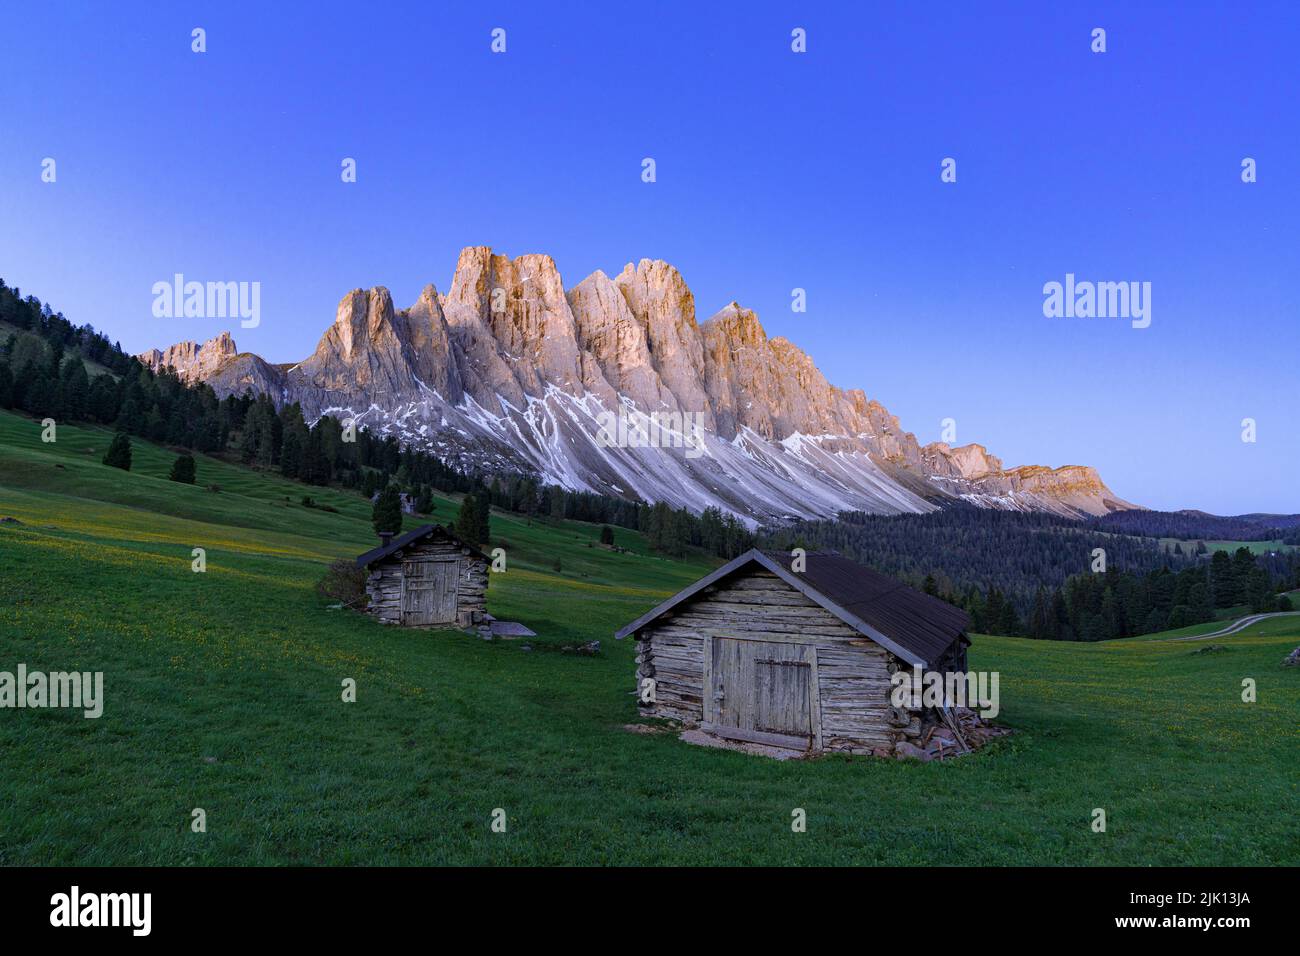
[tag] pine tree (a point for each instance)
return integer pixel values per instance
(607, 535)
(1009, 623)
(1038, 617)
(1225, 588)
(1243, 570)
(291, 453)
(74, 387)
(387, 513)
(155, 426)
(41, 396)
(119, 452)
(183, 469)
(993, 611)
(315, 467)
(528, 498)
(557, 503)
(1059, 619)
(467, 521)
(484, 517)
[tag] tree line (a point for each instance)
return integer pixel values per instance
(43, 372)
(1030, 574)
(1114, 604)
(1192, 525)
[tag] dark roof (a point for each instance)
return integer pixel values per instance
(915, 626)
(383, 551)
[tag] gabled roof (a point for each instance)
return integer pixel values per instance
(383, 551)
(915, 626)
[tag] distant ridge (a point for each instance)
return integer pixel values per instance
(1192, 525)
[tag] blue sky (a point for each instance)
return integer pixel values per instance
(775, 171)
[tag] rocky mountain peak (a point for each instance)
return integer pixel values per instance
(661, 302)
(432, 355)
(617, 342)
(738, 324)
(361, 320)
(193, 362)
(520, 305)
(510, 371)
(967, 461)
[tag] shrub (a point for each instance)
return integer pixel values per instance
(606, 534)
(183, 469)
(119, 452)
(344, 583)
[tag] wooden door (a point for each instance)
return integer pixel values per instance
(429, 592)
(763, 691)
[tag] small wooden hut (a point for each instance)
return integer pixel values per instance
(760, 652)
(427, 578)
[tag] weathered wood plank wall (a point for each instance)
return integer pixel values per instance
(384, 583)
(853, 672)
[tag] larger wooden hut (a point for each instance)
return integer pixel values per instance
(759, 651)
(427, 578)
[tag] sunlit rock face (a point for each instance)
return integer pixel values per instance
(510, 371)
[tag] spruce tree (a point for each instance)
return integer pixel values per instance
(1225, 588)
(291, 453)
(74, 389)
(387, 514)
(183, 469)
(1009, 622)
(467, 521)
(119, 452)
(1038, 617)
(484, 517)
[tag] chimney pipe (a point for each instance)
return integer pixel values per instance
(384, 538)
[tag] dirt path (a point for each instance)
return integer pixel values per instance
(1236, 626)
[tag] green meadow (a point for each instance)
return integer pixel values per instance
(223, 692)
(1254, 547)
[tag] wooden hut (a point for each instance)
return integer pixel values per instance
(758, 651)
(427, 578)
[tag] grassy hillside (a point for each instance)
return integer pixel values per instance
(223, 692)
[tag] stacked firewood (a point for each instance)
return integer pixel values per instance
(956, 731)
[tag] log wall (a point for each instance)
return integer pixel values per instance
(853, 672)
(384, 582)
